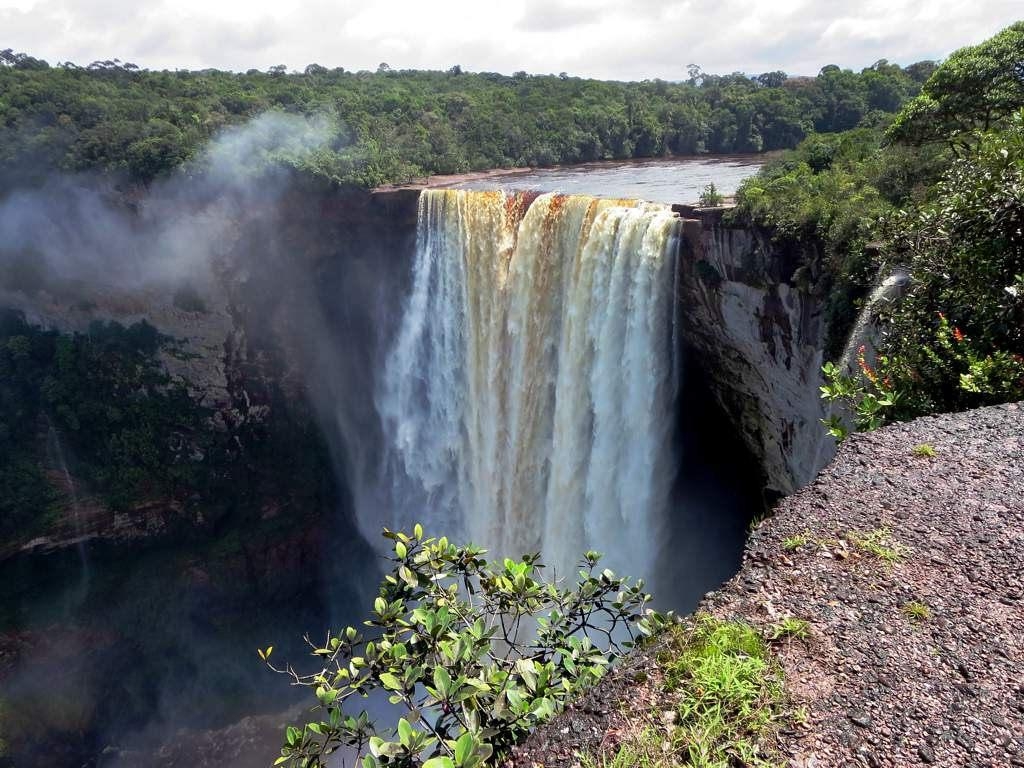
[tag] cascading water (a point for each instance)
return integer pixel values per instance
(529, 395)
(56, 449)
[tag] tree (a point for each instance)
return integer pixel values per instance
(477, 653)
(844, 101)
(8, 58)
(975, 88)
(772, 79)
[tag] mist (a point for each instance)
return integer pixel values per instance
(230, 258)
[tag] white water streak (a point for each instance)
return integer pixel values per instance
(528, 398)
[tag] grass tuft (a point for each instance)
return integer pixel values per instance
(789, 627)
(878, 543)
(917, 611)
(924, 450)
(725, 690)
(793, 543)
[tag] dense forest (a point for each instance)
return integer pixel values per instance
(938, 193)
(388, 126)
(129, 432)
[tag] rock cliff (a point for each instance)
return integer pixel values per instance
(759, 337)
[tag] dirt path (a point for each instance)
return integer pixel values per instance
(908, 568)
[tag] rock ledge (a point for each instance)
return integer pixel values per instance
(879, 686)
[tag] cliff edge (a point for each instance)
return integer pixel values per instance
(904, 558)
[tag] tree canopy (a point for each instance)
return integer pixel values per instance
(394, 125)
(973, 89)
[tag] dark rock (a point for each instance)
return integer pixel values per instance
(859, 717)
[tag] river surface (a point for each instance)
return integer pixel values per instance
(677, 180)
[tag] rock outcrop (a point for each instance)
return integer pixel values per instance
(903, 559)
(759, 338)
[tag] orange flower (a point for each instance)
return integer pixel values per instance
(868, 371)
(958, 334)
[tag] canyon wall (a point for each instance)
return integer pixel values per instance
(308, 287)
(758, 336)
(280, 334)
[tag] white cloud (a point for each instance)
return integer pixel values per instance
(600, 38)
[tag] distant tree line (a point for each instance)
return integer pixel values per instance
(394, 125)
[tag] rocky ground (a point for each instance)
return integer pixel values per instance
(905, 558)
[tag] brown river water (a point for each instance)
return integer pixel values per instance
(675, 180)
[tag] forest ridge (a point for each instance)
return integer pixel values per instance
(391, 126)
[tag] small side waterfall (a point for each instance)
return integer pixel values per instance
(56, 449)
(528, 399)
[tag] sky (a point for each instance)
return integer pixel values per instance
(610, 39)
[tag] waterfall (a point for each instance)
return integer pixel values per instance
(528, 398)
(57, 456)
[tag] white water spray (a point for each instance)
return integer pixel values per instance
(528, 400)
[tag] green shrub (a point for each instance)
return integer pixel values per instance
(710, 196)
(476, 653)
(956, 340)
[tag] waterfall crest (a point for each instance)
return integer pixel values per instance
(528, 398)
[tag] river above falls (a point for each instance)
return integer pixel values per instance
(675, 180)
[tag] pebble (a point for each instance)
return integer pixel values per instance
(859, 717)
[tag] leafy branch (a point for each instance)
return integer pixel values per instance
(476, 653)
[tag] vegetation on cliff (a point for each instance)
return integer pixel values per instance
(389, 126)
(101, 405)
(940, 192)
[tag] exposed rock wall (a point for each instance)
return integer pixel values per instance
(758, 337)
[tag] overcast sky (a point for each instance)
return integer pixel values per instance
(617, 39)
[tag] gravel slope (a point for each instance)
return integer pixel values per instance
(879, 687)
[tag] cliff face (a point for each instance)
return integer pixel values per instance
(758, 338)
(307, 286)
(277, 326)
(282, 285)
(305, 290)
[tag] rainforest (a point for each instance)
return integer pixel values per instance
(250, 320)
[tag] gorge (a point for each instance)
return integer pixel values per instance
(596, 373)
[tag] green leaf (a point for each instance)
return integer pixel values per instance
(406, 574)
(391, 682)
(376, 746)
(464, 748)
(405, 732)
(439, 762)
(442, 681)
